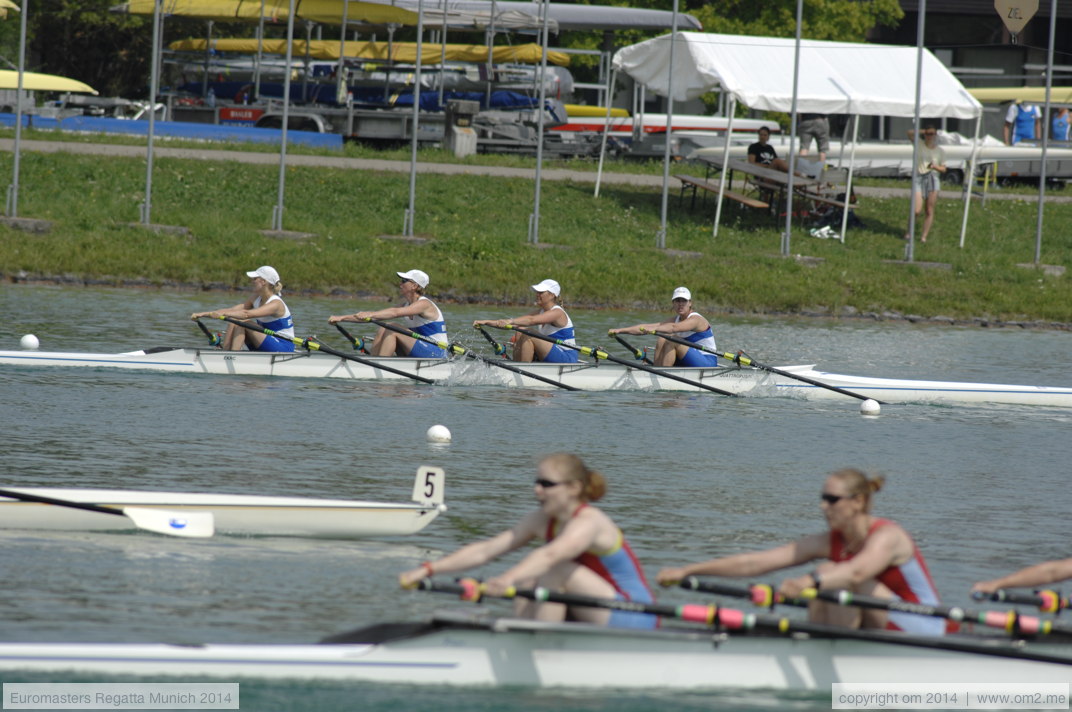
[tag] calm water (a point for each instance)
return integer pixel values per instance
(691, 476)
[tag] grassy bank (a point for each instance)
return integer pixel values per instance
(602, 250)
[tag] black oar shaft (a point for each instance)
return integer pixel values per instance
(315, 346)
(638, 354)
(461, 351)
(27, 497)
(213, 339)
(1045, 600)
(357, 343)
(600, 354)
(496, 347)
(745, 361)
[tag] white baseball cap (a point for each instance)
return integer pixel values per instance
(415, 275)
(682, 293)
(548, 285)
(268, 274)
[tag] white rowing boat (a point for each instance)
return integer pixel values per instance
(238, 513)
(587, 375)
(471, 649)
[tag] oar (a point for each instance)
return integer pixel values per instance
(743, 360)
(1045, 600)
(314, 346)
(764, 595)
(191, 524)
(638, 354)
(357, 341)
(734, 619)
(496, 347)
(599, 353)
(213, 339)
(461, 351)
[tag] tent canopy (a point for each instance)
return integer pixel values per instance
(835, 77)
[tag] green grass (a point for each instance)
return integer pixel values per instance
(602, 250)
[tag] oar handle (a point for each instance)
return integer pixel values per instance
(1046, 600)
(496, 347)
(638, 354)
(357, 341)
(213, 339)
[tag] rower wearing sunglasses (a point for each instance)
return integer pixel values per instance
(863, 553)
(584, 554)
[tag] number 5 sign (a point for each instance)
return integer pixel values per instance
(1016, 13)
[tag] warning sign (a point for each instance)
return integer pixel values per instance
(1016, 13)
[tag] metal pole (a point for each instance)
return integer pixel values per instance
(848, 181)
(725, 160)
(786, 236)
(260, 54)
(277, 211)
(969, 176)
(534, 219)
(13, 189)
(910, 247)
(491, 54)
(1046, 124)
(606, 130)
(408, 219)
(147, 206)
(208, 59)
(660, 237)
(340, 70)
(442, 54)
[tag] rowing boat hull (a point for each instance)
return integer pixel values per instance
(233, 514)
(514, 653)
(601, 376)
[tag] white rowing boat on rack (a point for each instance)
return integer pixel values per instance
(593, 376)
(236, 513)
(471, 649)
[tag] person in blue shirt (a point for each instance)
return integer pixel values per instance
(1059, 124)
(1022, 123)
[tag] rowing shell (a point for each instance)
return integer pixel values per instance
(239, 514)
(472, 649)
(594, 376)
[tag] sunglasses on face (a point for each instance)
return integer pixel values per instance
(832, 498)
(548, 484)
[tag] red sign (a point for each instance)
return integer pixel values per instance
(240, 115)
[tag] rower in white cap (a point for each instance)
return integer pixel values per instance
(422, 317)
(550, 319)
(686, 324)
(265, 307)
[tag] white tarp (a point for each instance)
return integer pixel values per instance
(835, 77)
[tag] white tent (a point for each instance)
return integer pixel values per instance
(834, 77)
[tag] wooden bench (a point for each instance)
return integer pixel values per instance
(712, 187)
(820, 198)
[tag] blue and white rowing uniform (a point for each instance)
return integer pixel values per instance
(283, 325)
(434, 329)
(705, 338)
(560, 354)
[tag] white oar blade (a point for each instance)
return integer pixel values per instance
(162, 521)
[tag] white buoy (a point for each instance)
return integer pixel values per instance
(29, 342)
(438, 434)
(870, 407)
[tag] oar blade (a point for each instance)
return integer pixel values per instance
(187, 524)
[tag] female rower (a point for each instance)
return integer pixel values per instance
(1034, 575)
(265, 307)
(866, 555)
(585, 552)
(550, 320)
(692, 328)
(422, 317)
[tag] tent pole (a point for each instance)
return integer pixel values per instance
(969, 176)
(848, 183)
(725, 163)
(1046, 124)
(606, 130)
(910, 247)
(660, 237)
(786, 236)
(534, 218)
(408, 220)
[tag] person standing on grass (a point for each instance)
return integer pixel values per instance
(927, 177)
